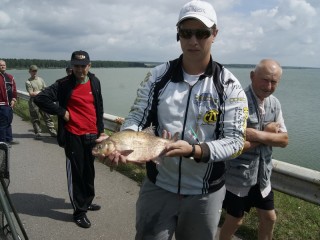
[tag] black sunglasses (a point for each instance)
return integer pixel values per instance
(199, 33)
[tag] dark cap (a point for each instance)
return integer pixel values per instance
(80, 58)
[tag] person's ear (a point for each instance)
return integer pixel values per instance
(252, 75)
(178, 37)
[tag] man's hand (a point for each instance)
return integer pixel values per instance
(102, 137)
(166, 134)
(12, 104)
(116, 158)
(272, 127)
(178, 148)
(112, 159)
(66, 116)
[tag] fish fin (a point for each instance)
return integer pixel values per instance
(126, 152)
(149, 130)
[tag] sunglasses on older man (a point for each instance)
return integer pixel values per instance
(199, 33)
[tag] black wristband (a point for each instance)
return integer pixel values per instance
(192, 152)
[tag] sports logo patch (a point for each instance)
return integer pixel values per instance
(211, 116)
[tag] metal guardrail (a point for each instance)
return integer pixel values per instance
(300, 182)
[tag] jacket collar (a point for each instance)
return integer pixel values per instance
(177, 75)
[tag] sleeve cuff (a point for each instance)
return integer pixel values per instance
(205, 156)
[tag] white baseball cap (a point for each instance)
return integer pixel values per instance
(200, 10)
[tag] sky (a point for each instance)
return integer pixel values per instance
(145, 30)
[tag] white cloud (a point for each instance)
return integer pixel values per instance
(4, 19)
(143, 30)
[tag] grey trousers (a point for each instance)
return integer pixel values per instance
(160, 214)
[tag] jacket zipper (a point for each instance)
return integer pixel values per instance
(182, 135)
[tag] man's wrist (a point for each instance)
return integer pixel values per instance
(192, 151)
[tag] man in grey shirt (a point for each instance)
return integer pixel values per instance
(248, 176)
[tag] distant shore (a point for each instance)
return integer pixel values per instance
(13, 63)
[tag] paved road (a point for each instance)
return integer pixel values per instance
(38, 190)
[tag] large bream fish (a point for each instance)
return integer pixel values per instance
(137, 146)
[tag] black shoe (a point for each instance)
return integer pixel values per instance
(82, 221)
(94, 207)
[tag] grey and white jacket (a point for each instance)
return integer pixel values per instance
(215, 107)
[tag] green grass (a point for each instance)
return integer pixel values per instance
(22, 109)
(296, 218)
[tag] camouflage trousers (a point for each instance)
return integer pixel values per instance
(36, 114)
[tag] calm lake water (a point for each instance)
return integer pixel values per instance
(297, 92)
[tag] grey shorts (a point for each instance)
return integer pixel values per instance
(160, 214)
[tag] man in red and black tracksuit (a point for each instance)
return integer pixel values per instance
(8, 98)
(80, 122)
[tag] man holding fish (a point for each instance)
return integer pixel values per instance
(203, 104)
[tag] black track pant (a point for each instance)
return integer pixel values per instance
(80, 172)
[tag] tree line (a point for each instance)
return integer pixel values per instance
(47, 63)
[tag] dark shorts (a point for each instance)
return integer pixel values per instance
(236, 206)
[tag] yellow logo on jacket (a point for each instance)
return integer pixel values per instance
(211, 116)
